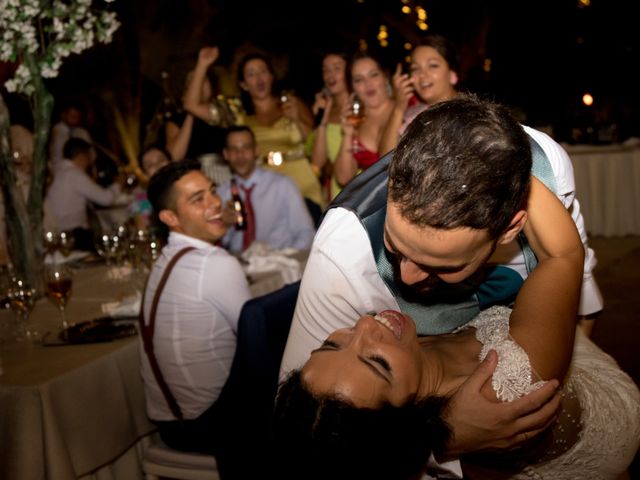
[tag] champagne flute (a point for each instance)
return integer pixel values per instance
(21, 299)
(58, 280)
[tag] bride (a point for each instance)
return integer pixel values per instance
(372, 401)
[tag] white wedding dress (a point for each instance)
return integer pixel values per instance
(597, 433)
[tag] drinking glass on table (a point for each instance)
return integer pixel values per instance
(58, 281)
(50, 241)
(66, 242)
(21, 300)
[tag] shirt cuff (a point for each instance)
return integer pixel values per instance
(448, 469)
(590, 297)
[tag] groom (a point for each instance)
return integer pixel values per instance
(436, 231)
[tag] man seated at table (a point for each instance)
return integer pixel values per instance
(196, 312)
(72, 190)
(276, 212)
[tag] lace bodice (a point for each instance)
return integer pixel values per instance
(513, 376)
(597, 432)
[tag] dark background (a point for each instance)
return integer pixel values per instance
(544, 55)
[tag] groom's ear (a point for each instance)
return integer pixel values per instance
(515, 227)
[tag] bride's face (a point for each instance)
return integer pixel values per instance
(378, 360)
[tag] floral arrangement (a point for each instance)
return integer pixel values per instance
(50, 31)
(37, 35)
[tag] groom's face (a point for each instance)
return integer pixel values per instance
(429, 260)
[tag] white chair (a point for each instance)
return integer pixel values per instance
(161, 461)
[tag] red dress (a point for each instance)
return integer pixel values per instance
(363, 156)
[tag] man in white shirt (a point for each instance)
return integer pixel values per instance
(69, 126)
(72, 190)
(429, 242)
(193, 338)
(280, 214)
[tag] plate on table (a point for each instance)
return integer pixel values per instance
(103, 329)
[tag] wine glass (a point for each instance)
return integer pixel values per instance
(21, 300)
(355, 116)
(50, 242)
(103, 243)
(58, 280)
(66, 242)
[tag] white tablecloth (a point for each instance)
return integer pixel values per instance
(73, 411)
(608, 188)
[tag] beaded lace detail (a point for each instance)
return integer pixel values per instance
(513, 376)
(597, 432)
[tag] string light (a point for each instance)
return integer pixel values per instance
(486, 65)
(587, 99)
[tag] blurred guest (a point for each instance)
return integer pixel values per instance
(192, 336)
(328, 106)
(362, 134)
(433, 78)
(280, 124)
(196, 131)
(276, 213)
(72, 191)
(152, 159)
(69, 126)
(22, 149)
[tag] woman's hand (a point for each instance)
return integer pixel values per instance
(208, 55)
(402, 89)
(348, 128)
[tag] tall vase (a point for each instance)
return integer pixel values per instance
(24, 220)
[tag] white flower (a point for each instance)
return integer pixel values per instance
(49, 32)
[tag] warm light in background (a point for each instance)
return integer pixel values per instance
(584, 3)
(362, 45)
(486, 65)
(422, 25)
(587, 99)
(407, 46)
(406, 9)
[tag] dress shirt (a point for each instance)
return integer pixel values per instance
(60, 133)
(70, 192)
(281, 216)
(196, 325)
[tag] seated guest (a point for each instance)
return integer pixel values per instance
(273, 201)
(152, 159)
(73, 189)
(69, 126)
(189, 323)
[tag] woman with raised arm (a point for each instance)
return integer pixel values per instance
(363, 125)
(433, 76)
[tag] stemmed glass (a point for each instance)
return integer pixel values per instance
(50, 242)
(58, 280)
(65, 243)
(355, 117)
(21, 300)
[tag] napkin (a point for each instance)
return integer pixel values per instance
(259, 257)
(127, 307)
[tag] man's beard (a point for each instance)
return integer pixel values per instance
(433, 290)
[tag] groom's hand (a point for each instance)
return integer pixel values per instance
(481, 422)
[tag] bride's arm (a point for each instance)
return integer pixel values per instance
(543, 319)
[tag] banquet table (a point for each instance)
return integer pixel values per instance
(77, 411)
(608, 187)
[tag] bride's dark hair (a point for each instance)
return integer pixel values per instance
(325, 436)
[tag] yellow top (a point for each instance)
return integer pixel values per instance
(281, 146)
